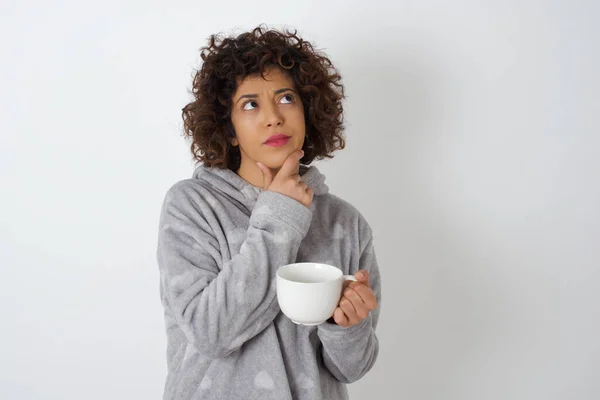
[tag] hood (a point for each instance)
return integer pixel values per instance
(231, 184)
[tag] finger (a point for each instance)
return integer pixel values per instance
(345, 285)
(366, 295)
(311, 195)
(267, 175)
(348, 308)
(340, 318)
(308, 199)
(291, 165)
(362, 276)
(355, 298)
(360, 308)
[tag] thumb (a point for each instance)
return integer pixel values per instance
(267, 175)
(362, 276)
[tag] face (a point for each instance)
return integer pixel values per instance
(268, 118)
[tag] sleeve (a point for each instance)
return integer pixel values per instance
(349, 353)
(220, 309)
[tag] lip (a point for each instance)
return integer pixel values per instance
(277, 140)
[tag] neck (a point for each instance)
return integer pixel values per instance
(250, 172)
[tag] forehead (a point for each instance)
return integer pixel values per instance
(274, 79)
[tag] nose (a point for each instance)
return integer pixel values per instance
(272, 116)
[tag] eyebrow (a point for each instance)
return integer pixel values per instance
(253, 95)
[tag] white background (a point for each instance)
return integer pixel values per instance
(473, 151)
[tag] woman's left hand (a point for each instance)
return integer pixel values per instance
(357, 301)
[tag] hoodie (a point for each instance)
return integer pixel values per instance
(220, 243)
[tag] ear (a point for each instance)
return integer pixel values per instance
(234, 142)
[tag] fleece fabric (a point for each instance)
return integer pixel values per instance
(220, 243)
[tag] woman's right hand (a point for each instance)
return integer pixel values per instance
(288, 181)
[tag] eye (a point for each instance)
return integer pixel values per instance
(251, 103)
(287, 99)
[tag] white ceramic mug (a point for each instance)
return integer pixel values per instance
(308, 293)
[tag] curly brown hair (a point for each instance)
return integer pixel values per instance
(228, 60)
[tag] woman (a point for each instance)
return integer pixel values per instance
(266, 104)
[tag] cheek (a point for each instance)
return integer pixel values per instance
(296, 117)
(243, 127)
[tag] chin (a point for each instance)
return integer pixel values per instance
(274, 164)
(275, 161)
